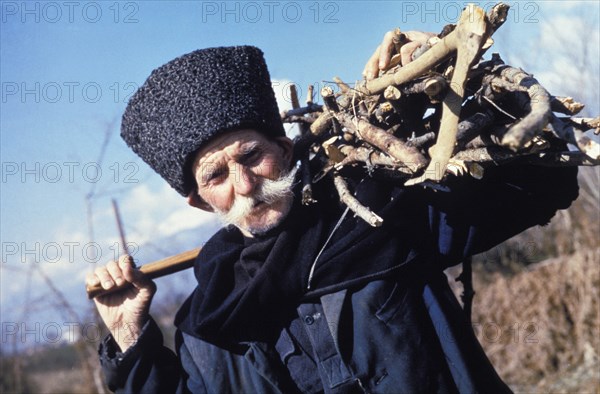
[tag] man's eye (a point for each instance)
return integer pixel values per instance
(250, 156)
(214, 176)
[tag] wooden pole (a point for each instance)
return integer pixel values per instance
(166, 266)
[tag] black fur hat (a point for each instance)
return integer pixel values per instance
(189, 100)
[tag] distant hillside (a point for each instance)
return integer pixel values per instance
(541, 327)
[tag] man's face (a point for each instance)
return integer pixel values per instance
(242, 176)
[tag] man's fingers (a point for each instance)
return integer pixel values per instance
(115, 272)
(407, 50)
(382, 57)
(385, 50)
(91, 279)
(416, 39)
(133, 275)
(127, 268)
(104, 277)
(372, 67)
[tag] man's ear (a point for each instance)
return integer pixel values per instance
(287, 147)
(194, 200)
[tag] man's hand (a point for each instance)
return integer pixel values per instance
(381, 58)
(123, 312)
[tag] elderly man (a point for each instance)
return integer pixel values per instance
(295, 298)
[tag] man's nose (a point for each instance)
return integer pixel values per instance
(244, 180)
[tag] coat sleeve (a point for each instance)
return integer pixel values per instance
(476, 215)
(146, 367)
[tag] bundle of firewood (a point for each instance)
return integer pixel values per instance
(446, 112)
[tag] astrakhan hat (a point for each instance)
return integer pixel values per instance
(193, 98)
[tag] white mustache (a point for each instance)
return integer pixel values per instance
(268, 191)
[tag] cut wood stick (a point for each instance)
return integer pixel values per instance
(360, 210)
(311, 107)
(321, 124)
(329, 99)
(524, 130)
(157, 269)
(472, 16)
(370, 157)
(565, 105)
(467, 39)
(304, 159)
(294, 97)
(344, 87)
(587, 123)
(431, 86)
(396, 148)
(309, 95)
(485, 154)
(575, 136)
(301, 120)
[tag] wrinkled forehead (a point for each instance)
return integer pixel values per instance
(230, 141)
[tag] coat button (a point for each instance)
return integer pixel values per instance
(309, 320)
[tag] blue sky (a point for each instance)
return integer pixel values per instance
(67, 69)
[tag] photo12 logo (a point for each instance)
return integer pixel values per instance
(69, 12)
(66, 92)
(68, 171)
(50, 332)
(450, 11)
(65, 251)
(269, 11)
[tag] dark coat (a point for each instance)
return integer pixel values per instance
(389, 322)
